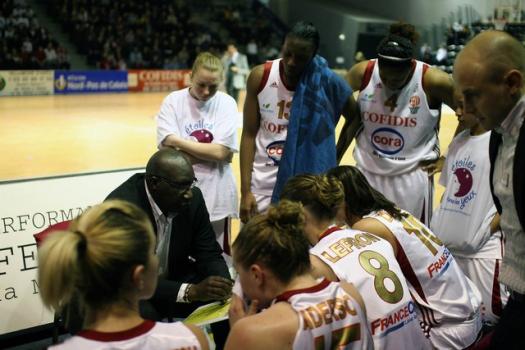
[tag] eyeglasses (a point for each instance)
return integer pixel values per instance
(179, 186)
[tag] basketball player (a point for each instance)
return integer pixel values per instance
(365, 260)
(270, 91)
(107, 257)
(400, 103)
(302, 313)
(467, 221)
(202, 122)
(448, 302)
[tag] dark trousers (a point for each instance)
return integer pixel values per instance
(508, 333)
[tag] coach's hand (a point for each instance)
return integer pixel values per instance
(248, 207)
(210, 289)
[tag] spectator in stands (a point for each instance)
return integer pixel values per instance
(192, 270)
(441, 54)
(359, 57)
(107, 258)
(51, 56)
(253, 52)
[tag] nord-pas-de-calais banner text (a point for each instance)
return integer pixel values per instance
(85, 82)
(30, 206)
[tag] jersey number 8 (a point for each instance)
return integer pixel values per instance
(381, 274)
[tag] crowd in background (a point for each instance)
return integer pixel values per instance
(160, 34)
(24, 43)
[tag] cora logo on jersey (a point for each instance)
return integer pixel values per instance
(275, 151)
(387, 141)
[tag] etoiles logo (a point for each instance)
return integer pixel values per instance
(413, 104)
(2, 83)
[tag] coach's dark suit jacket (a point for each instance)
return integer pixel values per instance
(518, 172)
(191, 236)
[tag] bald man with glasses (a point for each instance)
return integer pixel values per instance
(191, 268)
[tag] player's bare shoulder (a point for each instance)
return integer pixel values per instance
(255, 77)
(439, 86)
(355, 74)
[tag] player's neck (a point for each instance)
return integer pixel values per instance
(113, 318)
(477, 130)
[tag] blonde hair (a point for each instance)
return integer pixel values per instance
(276, 240)
(207, 61)
(320, 193)
(94, 257)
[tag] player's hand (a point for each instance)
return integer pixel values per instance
(248, 207)
(211, 288)
(432, 166)
(238, 310)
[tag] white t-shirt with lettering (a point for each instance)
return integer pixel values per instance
(212, 121)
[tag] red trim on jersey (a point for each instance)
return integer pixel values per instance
(329, 230)
(425, 68)
(141, 329)
(281, 74)
(316, 288)
(497, 305)
(266, 74)
(408, 271)
(368, 74)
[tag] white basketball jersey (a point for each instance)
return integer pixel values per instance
(463, 218)
(147, 336)
(369, 263)
(275, 101)
(443, 293)
(328, 318)
(399, 128)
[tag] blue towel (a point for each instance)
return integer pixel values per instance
(316, 107)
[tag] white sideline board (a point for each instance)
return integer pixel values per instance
(27, 207)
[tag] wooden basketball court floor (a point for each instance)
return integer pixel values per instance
(64, 134)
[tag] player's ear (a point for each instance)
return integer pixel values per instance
(152, 181)
(514, 81)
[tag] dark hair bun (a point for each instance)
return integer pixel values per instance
(405, 30)
(286, 213)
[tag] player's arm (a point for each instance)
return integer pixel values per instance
(377, 228)
(351, 110)
(354, 293)
(274, 328)
(322, 270)
(199, 334)
(439, 87)
(251, 122)
(350, 127)
(494, 224)
(205, 151)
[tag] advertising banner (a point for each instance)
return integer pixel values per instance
(26, 82)
(158, 80)
(28, 207)
(75, 82)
